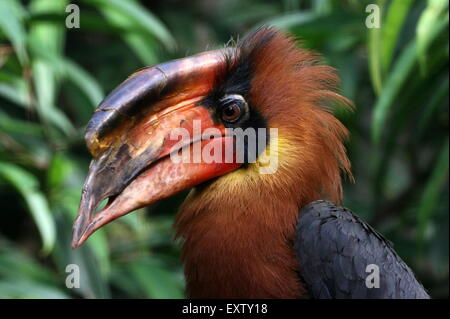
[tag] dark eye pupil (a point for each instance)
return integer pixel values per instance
(231, 112)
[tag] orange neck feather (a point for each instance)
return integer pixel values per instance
(239, 229)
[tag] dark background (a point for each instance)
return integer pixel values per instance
(51, 78)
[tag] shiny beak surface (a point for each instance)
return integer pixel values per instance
(131, 138)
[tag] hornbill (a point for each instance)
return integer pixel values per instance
(245, 234)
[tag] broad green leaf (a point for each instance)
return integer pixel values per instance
(436, 101)
(15, 264)
(397, 77)
(17, 81)
(143, 45)
(143, 18)
(432, 190)
(59, 169)
(11, 125)
(121, 279)
(292, 19)
(350, 78)
(322, 6)
(66, 196)
(21, 289)
(246, 13)
(15, 94)
(392, 25)
(92, 278)
(91, 22)
(432, 21)
(100, 248)
(46, 36)
(45, 86)
(28, 186)
(292, 5)
(374, 47)
(85, 82)
(23, 277)
(12, 16)
(58, 68)
(144, 48)
(156, 281)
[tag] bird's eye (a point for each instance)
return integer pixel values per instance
(231, 112)
(232, 108)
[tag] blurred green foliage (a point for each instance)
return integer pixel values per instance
(51, 78)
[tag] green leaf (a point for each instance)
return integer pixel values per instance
(92, 278)
(47, 39)
(374, 47)
(100, 248)
(11, 125)
(65, 195)
(45, 86)
(15, 264)
(432, 190)
(12, 24)
(292, 19)
(432, 21)
(28, 186)
(143, 19)
(323, 6)
(59, 169)
(394, 82)
(440, 95)
(22, 277)
(396, 79)
(46, 36)
(21, 289)
(156, 281)
(58, 67)
(142, 44)
(144, 48)
(391, 27)
(15, 93)
(85, 82)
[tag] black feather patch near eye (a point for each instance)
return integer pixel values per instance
(236, 80)
(238, 72)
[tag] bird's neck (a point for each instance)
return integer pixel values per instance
(238, 240)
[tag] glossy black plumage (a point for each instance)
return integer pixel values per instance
(334, 247)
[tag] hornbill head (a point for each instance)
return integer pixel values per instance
(263, 82)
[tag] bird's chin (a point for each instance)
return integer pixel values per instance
(164, 178)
